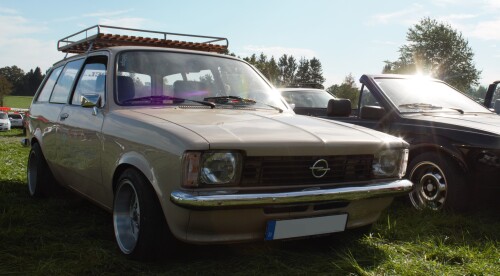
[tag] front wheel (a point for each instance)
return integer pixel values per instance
(139, 224)
(439, 184)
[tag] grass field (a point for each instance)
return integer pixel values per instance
(17, 101)
(67, 235)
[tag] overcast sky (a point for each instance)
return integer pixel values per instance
(346, 36)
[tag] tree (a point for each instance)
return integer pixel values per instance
(302, 75)
(5, 88)
(14, 75)
(438, 50)
(316, 71)
(288, 66)
(346, 90)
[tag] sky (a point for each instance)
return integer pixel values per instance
(347, 36)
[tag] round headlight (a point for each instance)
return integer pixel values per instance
(387, 163)
(220, 167)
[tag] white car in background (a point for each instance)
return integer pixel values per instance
(16, 120)
(4, 121)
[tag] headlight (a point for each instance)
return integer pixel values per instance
(390, 163)
(211, 168)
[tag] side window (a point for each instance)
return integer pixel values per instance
(44, 95)
(367, 98)
(65, 82)
(92, 81)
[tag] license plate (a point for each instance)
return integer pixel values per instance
(284, 229)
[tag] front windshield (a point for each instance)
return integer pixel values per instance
(307, 98)
(168, 78)
(412, 95)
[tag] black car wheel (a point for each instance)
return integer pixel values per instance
(438, 183)
(40, 180)
(139, 224)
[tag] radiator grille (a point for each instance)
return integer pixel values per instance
(279, 171)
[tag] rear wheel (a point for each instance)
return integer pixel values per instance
(40, 180)
(438, 183)
(139, 224)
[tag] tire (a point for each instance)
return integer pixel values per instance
(40, 179)
(439, 184)
(139, 225)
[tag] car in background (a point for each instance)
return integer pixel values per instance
(16, 120)
(454, 141)
(307, 101)
(195, 145)
(4, 122)
(492, 98)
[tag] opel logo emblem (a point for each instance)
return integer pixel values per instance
(319, 168)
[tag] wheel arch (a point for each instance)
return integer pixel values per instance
(453, 155)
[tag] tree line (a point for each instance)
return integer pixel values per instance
(13, 81)
(287, 71)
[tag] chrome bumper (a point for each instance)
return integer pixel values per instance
(192, 200)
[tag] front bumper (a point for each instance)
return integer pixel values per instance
(217, 200)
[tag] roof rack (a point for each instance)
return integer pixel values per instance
(93, 38)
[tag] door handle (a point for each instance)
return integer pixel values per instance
(63, 116)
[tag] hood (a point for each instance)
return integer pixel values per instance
(480, 122)
(270, 133)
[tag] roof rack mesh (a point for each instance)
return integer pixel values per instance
(94, 38)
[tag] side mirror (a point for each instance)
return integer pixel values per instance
(292, 106)
(497, 106)
(372, 112)
(338, 108)
(91, 100)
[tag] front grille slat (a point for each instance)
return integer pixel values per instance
(280, 171)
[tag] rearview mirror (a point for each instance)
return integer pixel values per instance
(372, 112)
(338, 108)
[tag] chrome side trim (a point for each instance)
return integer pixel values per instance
(192, 200)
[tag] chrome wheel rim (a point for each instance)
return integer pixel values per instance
(126, 217)
(430, 186)
(32, 172)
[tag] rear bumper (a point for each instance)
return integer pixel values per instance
(215, 200)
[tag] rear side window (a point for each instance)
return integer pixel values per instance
(65, 82)
(49, 85)
(92, 80)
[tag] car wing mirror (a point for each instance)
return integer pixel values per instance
(372, 112)
(91, 100)
(497, 106)
(339, 108)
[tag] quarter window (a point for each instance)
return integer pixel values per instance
(65, 82)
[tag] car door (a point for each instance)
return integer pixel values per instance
(81, 146)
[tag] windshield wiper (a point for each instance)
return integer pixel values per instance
(235, 100)
(160, 99)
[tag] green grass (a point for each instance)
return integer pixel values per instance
(68, 235)
(17, 101)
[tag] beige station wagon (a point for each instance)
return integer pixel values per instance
(181, 142)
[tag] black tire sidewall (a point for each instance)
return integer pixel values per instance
(152, 229)
(42, 180)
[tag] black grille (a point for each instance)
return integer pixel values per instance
(280, 171)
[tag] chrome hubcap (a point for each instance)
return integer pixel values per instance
(430, 186)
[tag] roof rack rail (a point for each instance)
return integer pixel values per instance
(93, 38)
